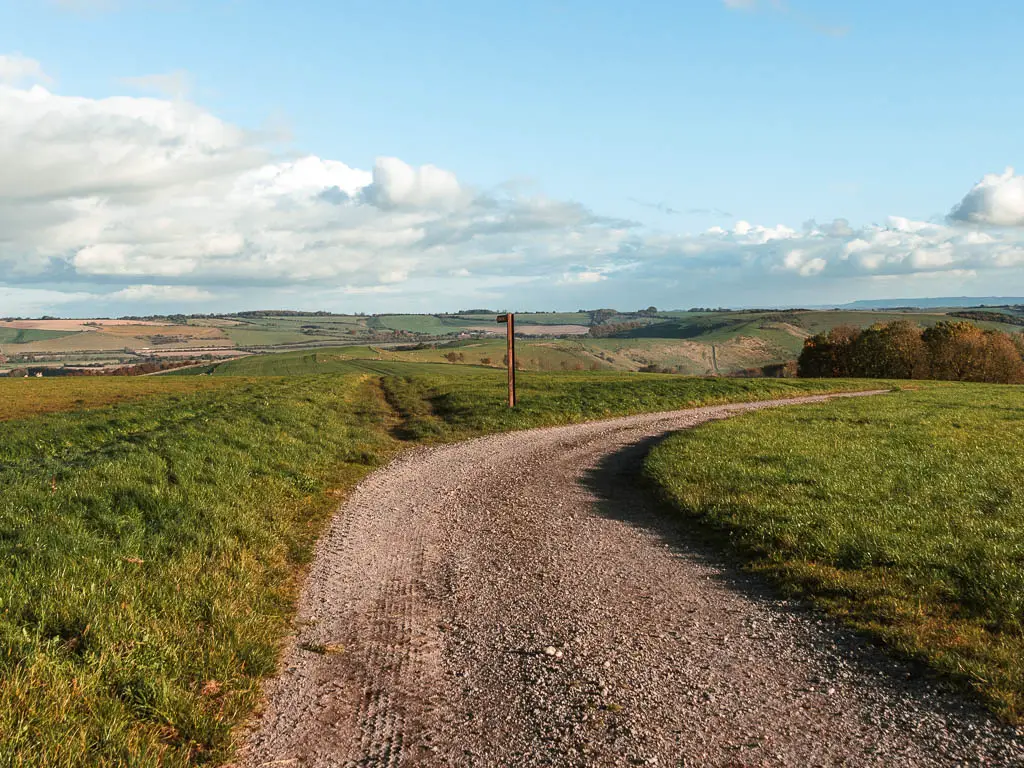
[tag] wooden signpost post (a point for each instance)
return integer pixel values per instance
(510, 326)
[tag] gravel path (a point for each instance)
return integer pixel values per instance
(516, 601)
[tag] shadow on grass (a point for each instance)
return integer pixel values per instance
(622, 494)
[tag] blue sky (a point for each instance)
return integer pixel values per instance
(545, 153)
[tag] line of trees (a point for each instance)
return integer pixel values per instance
(991, 317)
(949, 350)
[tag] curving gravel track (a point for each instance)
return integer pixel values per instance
(516, 601)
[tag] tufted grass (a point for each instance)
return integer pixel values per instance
(903, 515)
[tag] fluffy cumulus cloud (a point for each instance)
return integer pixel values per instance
(997, 200)
(172, 84)
(183, 294)
(134, 201)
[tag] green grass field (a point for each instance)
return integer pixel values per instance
(901, 514)
(27, 336)
(272, 331)
(150, 551)
(255, 337)
(549, 318)
(426, 324)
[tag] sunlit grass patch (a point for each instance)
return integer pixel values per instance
(148, 557)
(23, 398)
(902, 514)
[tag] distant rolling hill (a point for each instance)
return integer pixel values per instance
(697, 341)
(941, 301)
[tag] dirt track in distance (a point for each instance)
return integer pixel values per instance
(516, 601)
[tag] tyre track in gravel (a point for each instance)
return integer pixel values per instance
(515, 600)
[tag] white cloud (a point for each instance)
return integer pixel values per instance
(304, 178)
(16, 69)
(996, 200)
(149, 189)
(813, 266)
(140, 200)
(118, 150)
(32, 302)
(164, 293)
(175, 85)
(584, 276)
(397, 185)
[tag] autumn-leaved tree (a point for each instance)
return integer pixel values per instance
(1001, 360)
(1018, 342)
(891, 351)
(827, 355)
(956, 351)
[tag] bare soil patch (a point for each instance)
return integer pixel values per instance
(72, 325)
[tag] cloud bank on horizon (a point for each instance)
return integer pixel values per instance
(130, 203)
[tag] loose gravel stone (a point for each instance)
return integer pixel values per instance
(445, 572)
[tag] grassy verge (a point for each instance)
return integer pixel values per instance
(903, 515)
(147, 562)
(150, 551)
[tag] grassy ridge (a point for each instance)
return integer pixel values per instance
(148, 551)
(902, 514)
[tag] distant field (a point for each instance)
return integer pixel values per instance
(117, 337)
(426, 324)
(900, 514)
(532, 356)
(541, 355)
(74, 324)
(678, 341)
(692, 357)
(249, 337)
(150, 330)
(438, 325)
(82, 341)
(23, 398)
(551, 318)
(28, 335)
